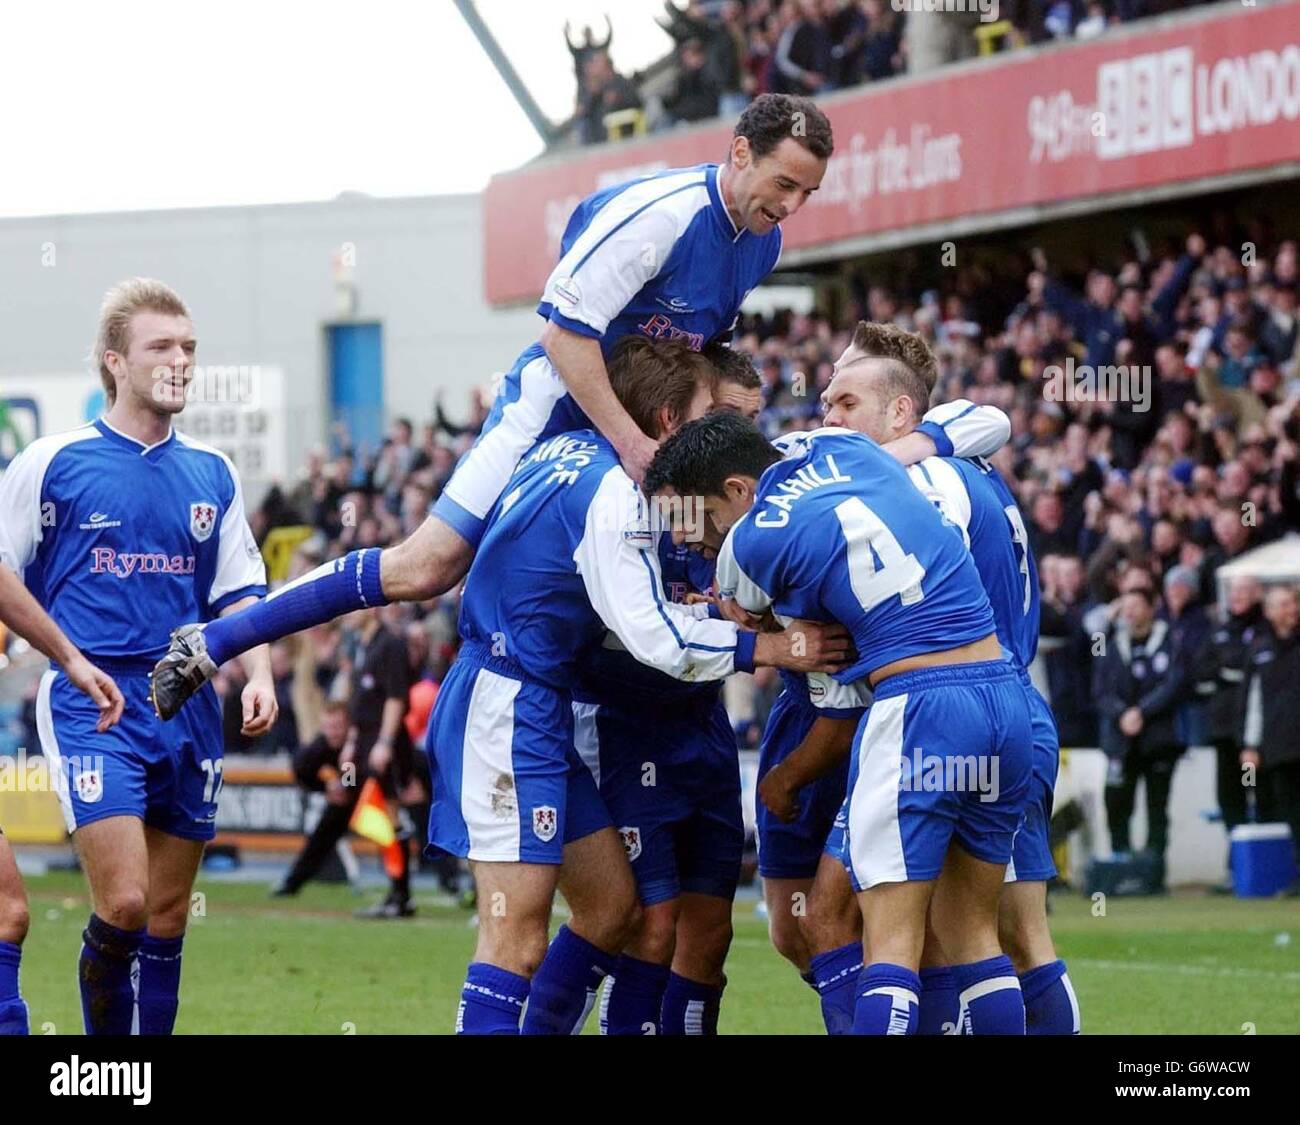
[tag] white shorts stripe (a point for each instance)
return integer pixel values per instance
(586, 737)
(488, 794)
(483, 474)
(875, 841)
(50, 747)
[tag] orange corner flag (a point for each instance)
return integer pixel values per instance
(370, 818)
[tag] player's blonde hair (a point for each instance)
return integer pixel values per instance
(120, 304)
(914, 370)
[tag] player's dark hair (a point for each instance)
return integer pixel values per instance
(647, 375)
(700, 456)
(733, 366)
(771, 118)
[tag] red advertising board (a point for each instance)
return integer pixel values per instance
(1205, 97)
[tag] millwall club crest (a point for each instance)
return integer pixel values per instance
(89, 785)
(544, 822)
(631, 842)
(203, 518)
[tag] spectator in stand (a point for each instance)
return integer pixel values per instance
(1067, 649)
(696, 94)
(803, 53)
(1138, 681)
(603, 91)
(1190, 626)
(1273, 713)
(1221, 679)
(582, 49)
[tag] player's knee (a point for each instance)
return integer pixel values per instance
(14, 919)
(425, 565)
(654, 936)
(517, 945)
(169, 919)
(788, 938)
(125, 907)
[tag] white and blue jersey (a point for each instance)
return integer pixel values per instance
(569, 553)
(117, 540)
(659, 257)
(837, 533)
(793, 850)
(977, 503)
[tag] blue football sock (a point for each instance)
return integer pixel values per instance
(107, 997)
(939, 1007)
(1050, 1004)
(329, 591)
(13, 1012)
(690, 1008)
(835, 976)
(989, 995)
(888, 999)
(634, 996)
(490, 1001)
(158, 991)
(565, 985)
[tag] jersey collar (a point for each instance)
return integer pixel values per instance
(720, 208)
(134, 445)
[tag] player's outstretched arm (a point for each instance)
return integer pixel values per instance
(953, 429)
(24, 615)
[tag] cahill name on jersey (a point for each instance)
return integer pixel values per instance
(120, 542)
(837, 532)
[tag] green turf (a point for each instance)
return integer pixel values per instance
(1169, 966)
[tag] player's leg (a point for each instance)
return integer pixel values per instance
(597, 884)
(100, 780)
(964, 915)
(514, 911)
(1051, 1007)
(710, 845)
(13, 929)
(990, 712)
(832, 929)
(115, 858)
(693, 999)
(1050, 1004)
(940, 1011)
(889, 988)
(173, 865)
(787, 902)
(634, 994)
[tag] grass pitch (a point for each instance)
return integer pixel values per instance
(1182, 964)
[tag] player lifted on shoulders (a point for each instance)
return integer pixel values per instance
(123, 526)
(837, 533)
(570, 552)
(668, 256)
(23, 614)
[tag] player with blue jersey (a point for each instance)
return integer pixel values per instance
(672, 788)
(803, 770)
(568, 555)
(670, 256)
(118, 528)
(879, 382)
(23, 614)
(941, 762)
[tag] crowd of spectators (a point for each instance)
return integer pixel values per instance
(729, 51)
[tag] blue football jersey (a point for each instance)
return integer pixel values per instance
(658, 256)
(119, 541)
(977, 502)
(837, 533)
(570, 551)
